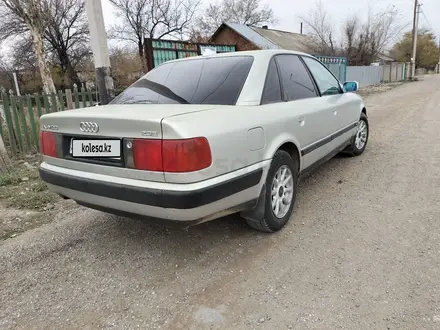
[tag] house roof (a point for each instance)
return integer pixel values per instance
(285, 40)
(268, 38)
(385, 58)
(249, 34)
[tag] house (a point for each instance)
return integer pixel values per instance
(246, 37)
(383, 59)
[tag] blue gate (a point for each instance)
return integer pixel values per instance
(337, 65)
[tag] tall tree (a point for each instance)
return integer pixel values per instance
(321, 30)
(427, 49)
(140, 19)
(361, 41)
(65, 37)
(250, 12)
(126, 67)
(30, 15)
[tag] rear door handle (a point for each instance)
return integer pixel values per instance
(335, 112)
(301, 121)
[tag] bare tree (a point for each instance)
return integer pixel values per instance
(24, 62)
(67, 35)
(361, 41)
(321, 30)
(350, 31)
(142, 19)
(30, 15)
(249, 12)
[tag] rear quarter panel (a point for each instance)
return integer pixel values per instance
(231, 132)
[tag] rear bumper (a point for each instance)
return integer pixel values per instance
(179, 202)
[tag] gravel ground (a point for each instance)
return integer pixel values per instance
(361, 252)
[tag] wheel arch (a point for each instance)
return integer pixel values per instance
(293, 151)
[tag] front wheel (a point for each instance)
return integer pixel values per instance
(360, 139)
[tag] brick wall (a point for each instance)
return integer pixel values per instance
(230, 37)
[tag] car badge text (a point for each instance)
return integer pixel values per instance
(50, 127)
(149, 133)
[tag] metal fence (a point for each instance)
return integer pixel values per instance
(158, 51)
(365, 75)
(20, 116)
(373, 75)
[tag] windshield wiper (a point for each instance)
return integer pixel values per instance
(160, 89)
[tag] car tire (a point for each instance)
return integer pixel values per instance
(360, 140)
(275, 218)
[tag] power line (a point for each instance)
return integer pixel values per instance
(426, 18)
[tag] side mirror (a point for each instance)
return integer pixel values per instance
(351, 86)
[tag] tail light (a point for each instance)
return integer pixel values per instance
(48, 144)
(177, 156)
(147, 155)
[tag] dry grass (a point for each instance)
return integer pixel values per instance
(21, 188)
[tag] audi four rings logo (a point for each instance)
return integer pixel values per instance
(89, 127)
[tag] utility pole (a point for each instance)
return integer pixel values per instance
(98, 38)
(415, 33)
(438, 65)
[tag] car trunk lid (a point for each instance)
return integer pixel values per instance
(130, 121)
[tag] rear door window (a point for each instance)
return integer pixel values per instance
(217, 80)
(272, 87)
(297, 83)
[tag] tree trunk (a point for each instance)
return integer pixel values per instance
(5, 161)
(142, 55)
(68, 68)
(73, 76)
(46, 75)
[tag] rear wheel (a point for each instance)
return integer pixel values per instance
(279, 195)
(360, 140)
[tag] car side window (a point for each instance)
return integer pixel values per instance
(327, 83)
(297, 83)
(272, 87)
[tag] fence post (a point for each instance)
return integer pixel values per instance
(53, 98)
(61, 99)
(46, 103)
(5, 162)
(17, 130)
(33, 125)
(90, 97)
(38, 103)
(83, 97)
(69, 101)
(24, 126)
(75, 93)
(2, 115)
(8, 120)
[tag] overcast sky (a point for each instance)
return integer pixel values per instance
(287, 11)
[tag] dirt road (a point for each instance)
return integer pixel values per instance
(361, 252)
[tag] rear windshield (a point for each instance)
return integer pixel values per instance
(216, 80)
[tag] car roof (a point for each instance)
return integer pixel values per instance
(257, 54)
